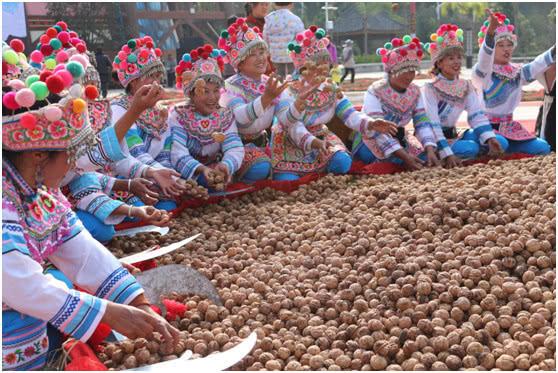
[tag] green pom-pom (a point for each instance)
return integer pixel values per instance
(10, 56)
(50, 64)
(459, 32)
(291, 46)
(481, 34)
(55, 44)
(486, 23)
(57, 28)
(407, 39)
(388, 45)
(321, 31)
(440, 39)
(31, 79)
(132, 44)
(38, 46)
(297, 49)
(507, 21)
(224, 34)
(116, 59)
(319, 35)
(132, 58)
(40, 90)
(75, 68)
(460, 38)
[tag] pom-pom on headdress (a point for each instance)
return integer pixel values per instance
(238, 40)
(504, 31)
(309, 45)
(447, 38)
(200, 63)
(13, 60)
(137, 58)
(401, 55)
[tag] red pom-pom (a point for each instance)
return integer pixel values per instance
(233, 39)
(44, 75)
(175, 308)
(51, 32)
(91, 92)
(208, 48)
(62, 25)
(396, 42)
(307, 42)
(44, 39)
(178, 70)
(416, 40)
(194, 54)
(73, 34)
(244, 27)
(28, 121)
(403, 52)
(313, 28)
(419, 53)
(182, 64)
(412, 46)
(81, 48)
(17, 45)
(205, 55)
(147, 38)
(231, 30)
(99, 335)
(257, 29)
(55, 84)
(46, 49)
(4, 67)
(156, 309)
(200, 50)
(149, 44)
(139, 42)
(189, 65)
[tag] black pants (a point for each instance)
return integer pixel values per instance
(347, 70)
(104, 86)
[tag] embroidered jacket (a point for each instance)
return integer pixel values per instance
(382, 101)
(147, 141)
(243, 96)
(281, 27)
(501, 84)
(194, 143)
(322, 106)
(39, 226)
(445, 100)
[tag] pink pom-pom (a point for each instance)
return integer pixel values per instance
(511, 28)
(75, 40)
(484, 29)
(123, 65)
(36, 56)
(221, 43)
(28, 121)
(59, 67)
(114, 65)
(67, 77)
(73, 34)
(307, 42)
(126, 49)
(385, 59)
(308, 33)
(299, 37)
(52, 113)
(16, 84)
(122, 55)
(64, 36)
(61, 57)
(383, 52)
(451, 34)
(9, 101)
(81, 59)
(81, 47)
(25, 97)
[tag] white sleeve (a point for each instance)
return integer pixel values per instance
(300, 135)
(430, 103)
(245, 113)
(233, 149)
(181, 159)
(482, 71)
(539, 65)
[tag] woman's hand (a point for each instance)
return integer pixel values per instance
(431, 157)
(135, 322)
(273, 89)
(224, 170)
(151, 215)
(146, 97)
(494, 148)
(141, 188)
(494, 23)
(383, 126)
(167, 181)
(452, 161)
(323, 146)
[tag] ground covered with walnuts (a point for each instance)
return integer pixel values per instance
(430, 270)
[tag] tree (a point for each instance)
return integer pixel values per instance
(366, 8)
(99, 24)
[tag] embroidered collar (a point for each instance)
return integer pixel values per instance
(150, 121)
(99, 114)
(249, 88)
(401, 102)
(319, 100)
(203, 127)
(509, 71)
(455, 90)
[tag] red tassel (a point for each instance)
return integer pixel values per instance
(99, 335)
(174, 309)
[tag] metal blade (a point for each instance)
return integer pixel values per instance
(144, 229)
(176, 278)
(212, 363)
(150, 253)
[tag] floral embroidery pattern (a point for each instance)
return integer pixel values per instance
(150, 121)
(451, 90)
(507, 72)
(200, 127)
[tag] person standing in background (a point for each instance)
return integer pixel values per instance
(348, 60)
(104, 68)
(255, 17)
(281, 27)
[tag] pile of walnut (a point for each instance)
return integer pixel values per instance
(430, 270)
(193, 190)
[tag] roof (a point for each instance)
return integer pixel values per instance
(351, 20)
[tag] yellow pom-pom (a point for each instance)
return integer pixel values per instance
(433, 37)
(79, 105)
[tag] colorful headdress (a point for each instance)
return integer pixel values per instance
(446, 39)
(504, 31)
(59, 126)
(401, 55)
(138, 58)
(309, 45)
(238, 40)
(13, 60)
(200, 63)
(59, 45)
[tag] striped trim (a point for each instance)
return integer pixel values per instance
(479, 73)
(110, 146)
(344, 109)
(80, 315)
(487, 49)
(119, 287)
